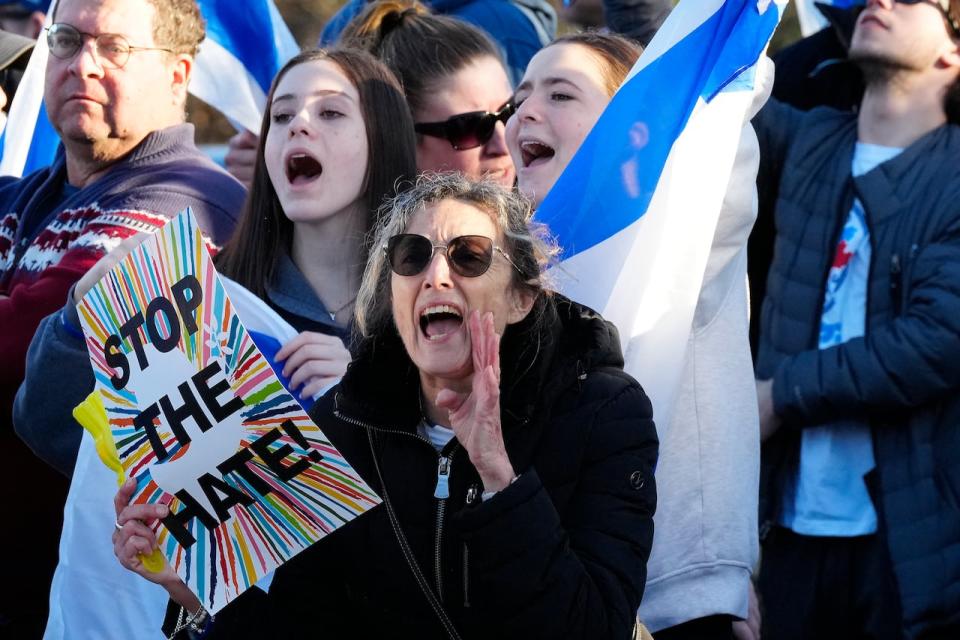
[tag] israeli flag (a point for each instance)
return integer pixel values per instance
(811, 20)
(636, 209)
(247, 43)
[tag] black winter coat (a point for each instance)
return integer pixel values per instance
(903, 376)
(560, 553)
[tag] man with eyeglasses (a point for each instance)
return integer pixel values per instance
(115, 92)
(859, 358)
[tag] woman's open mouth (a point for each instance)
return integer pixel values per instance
(534, 152)
(302, 168)
(440, 320)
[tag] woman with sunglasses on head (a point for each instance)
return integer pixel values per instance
(514, 457)
(706, 535)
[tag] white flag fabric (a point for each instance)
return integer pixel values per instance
(636, 209)
(247, 43)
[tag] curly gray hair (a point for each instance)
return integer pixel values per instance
(528, 244)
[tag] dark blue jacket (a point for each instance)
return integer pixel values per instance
(519, 27)
(903, 376)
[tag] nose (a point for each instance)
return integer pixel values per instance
(886, 4)
(437, 274)
(85, 62)
(299, 125)
(529, 110)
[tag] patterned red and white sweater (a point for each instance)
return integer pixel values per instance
(48, 240)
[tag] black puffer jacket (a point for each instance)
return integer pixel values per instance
(560, 553)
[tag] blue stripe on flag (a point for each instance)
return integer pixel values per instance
(269, 346)
(236, 29)
(734, 38)
(43, 147)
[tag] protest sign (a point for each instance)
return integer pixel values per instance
(202, 423)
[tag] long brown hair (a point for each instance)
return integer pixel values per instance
(264, 230)
(422, 49)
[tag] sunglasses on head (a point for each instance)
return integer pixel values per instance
(469, 256)
(467, 130)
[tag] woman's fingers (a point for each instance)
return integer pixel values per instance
(315, 359)
(122, 498)
(242, 156)
(493, 347)
(317, 368)
(137, 529)
(316, 385)
(299, 352)
(306, 338)
(476, 340)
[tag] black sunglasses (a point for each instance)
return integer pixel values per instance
(467, 130)
(469, 256)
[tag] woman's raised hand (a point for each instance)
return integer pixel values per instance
(241, 156)
(314, 360)
(475, 417)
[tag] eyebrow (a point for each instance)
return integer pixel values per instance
(549, 82)
(322, 92)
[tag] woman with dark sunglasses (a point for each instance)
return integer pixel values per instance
(455, 83)
(514, 457)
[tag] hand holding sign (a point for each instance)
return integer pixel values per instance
(232, 477)
(314, 360)
(135, 541)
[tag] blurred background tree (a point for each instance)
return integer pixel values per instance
(307, 17)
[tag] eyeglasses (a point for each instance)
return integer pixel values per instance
(113, 50)
(467, 130)
(944, 7)
(469, 256)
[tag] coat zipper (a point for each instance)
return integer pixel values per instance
(441, 492)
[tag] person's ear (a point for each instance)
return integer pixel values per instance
(180, 71)
(36, 23)
(521, 302)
